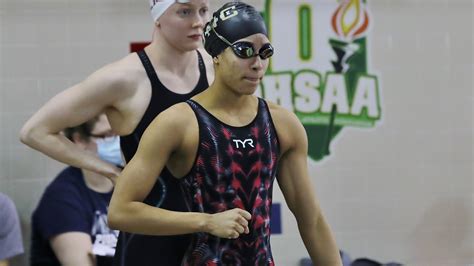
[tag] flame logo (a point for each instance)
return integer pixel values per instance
(350, 20)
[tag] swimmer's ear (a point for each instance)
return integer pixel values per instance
(157, 24)
(216, 60)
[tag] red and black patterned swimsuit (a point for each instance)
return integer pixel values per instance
(234, 168)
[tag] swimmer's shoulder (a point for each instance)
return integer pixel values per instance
(126, 74)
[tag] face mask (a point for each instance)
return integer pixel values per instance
(108, 150)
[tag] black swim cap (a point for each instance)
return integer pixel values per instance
(233, 21)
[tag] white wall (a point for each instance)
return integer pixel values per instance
(402, 191)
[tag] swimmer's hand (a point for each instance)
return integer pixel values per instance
(229, 224)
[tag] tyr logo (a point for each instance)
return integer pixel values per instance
(244, 142)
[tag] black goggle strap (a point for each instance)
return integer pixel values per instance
(221, 37)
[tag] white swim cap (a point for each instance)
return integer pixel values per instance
(158, 7)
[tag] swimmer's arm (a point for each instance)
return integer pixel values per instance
(294, 181)
(72, 107)
(126, 210)
(128, 213)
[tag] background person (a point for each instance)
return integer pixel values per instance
(11, 243)
(69, 225)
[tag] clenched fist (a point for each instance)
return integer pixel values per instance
(229, 224)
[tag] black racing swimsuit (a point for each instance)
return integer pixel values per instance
(234, 168)
(143, 250)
